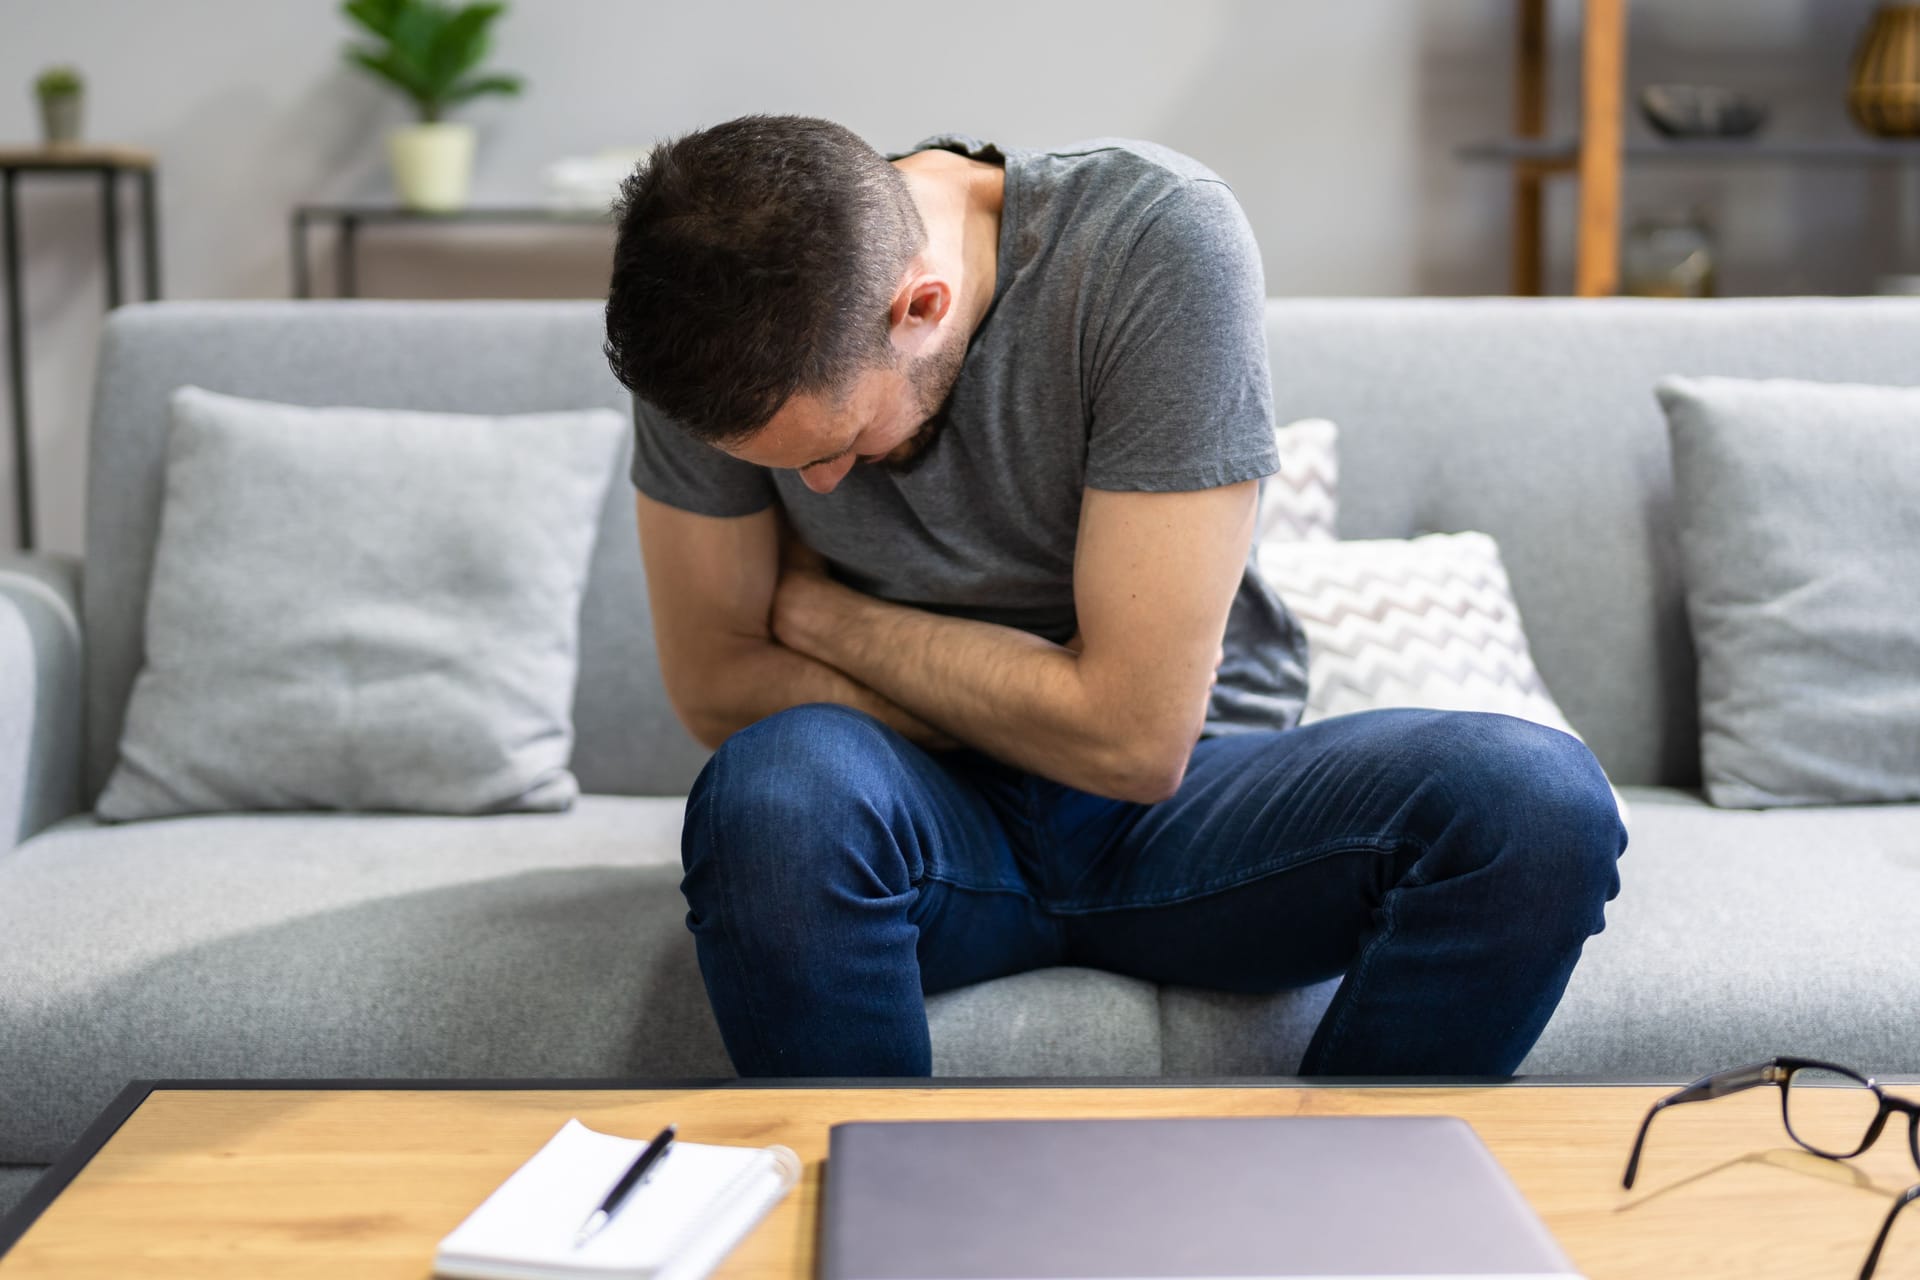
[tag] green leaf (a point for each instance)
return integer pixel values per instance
(415, 35)
(473, 88)
(431, 46)
(382, 64)
(375, 15)
(462, 42)
(415, 29)
(58, 82)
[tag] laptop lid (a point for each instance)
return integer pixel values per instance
(1292, 1197)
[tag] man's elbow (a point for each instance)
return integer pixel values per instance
(1152, 768)
(1148, 785)
(706, 696)
(709, 733)
(709, 726)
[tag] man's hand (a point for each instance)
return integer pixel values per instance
(803, 575)
(1154, 577)
(710, 584)
(805, 586)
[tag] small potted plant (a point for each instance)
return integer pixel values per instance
(429, 50)
(60, 92)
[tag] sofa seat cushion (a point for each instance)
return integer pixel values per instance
(355, 946)
(552, 945)
(330, 945)
(1050, 1022)
(1737, 935)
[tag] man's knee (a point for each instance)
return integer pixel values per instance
(1545, 824)
(783, 813)
(791, 763)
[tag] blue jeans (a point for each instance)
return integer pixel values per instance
(1450, 864)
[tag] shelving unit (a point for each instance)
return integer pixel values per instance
(1597, 156)
(83, 160)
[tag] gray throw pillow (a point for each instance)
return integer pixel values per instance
(363, 609)
(1798, 506)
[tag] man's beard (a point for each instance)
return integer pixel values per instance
(933, 376)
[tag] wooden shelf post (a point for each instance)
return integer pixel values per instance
(1529, 121)
(1603, 57)
(1596, 167)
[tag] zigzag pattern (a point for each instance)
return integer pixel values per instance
(1300, 502)
(1428, 622)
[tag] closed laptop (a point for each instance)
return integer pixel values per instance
(1176, 1199)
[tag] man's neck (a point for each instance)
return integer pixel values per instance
(959, 201)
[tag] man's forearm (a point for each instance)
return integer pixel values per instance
(760, 678)
(1013, 695)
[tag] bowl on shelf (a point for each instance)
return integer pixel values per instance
(1701, 111)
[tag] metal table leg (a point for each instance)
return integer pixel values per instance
(343, 260)
(110, 231)
(302, 282)
(17, 363)
(150, 234)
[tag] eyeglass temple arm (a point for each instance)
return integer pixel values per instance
(1906, 1198)
(1717, 1085)
(1732, 1080)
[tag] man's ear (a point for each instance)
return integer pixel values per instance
(919, 307)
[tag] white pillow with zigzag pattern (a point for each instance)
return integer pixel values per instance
(1299, 502)
(1421, 622)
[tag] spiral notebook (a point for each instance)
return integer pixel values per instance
(693, 1208)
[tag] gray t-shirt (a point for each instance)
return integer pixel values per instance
(1124, 348)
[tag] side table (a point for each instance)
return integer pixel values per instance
(348, 217)
(106, 163)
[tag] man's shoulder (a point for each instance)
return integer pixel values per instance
(1132, 157)
(1115, 189)
(1131, 161)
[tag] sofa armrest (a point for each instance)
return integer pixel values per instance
(42, 698)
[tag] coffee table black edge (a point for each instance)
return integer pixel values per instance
(64, 1170)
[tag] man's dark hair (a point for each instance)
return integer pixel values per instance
(755, 260)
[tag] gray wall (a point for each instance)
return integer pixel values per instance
(1334, 122)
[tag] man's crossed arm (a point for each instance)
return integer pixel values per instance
(745, 632)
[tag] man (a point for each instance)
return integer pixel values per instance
(947, 466)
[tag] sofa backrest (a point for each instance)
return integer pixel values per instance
(1535, 421)
(1531, 420)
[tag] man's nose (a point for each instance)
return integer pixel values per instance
(824, 479)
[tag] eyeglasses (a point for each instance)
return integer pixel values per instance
(1829, 1110)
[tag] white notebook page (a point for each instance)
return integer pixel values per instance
(695, 1203)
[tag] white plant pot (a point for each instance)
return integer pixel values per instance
(432, 164)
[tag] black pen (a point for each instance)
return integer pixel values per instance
(628, 1181)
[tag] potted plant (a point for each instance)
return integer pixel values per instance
(60, 92)
(429, 50)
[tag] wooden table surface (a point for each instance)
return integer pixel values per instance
(364, 1182)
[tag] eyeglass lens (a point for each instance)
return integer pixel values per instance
(1830, 1111)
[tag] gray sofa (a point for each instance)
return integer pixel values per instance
(336, 945)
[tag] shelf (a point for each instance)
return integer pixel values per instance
(379, 210)
(75, 155)
(1563, 153)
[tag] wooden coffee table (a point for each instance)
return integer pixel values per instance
(214, 1179)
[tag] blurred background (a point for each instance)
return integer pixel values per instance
(1364, 139)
